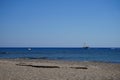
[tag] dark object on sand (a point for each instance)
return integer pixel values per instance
(38, 66)
(45, 66)
(79, 67)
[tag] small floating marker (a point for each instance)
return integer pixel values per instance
(29, 49)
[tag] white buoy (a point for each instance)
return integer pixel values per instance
(29, 49)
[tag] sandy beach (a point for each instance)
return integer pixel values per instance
(26, 69)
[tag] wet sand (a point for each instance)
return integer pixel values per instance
(30, 69)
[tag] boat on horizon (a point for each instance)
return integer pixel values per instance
(85, 46)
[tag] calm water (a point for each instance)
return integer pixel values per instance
(74, 54)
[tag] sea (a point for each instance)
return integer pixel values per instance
(111, 55)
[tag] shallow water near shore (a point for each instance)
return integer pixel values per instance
(70, 54)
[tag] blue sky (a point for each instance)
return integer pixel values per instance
(59, 23)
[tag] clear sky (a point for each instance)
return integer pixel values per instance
(59, 23)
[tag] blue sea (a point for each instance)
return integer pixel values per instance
(70, 54)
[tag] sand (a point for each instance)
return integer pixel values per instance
(25, 69)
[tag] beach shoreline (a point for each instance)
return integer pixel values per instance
(41, 69)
